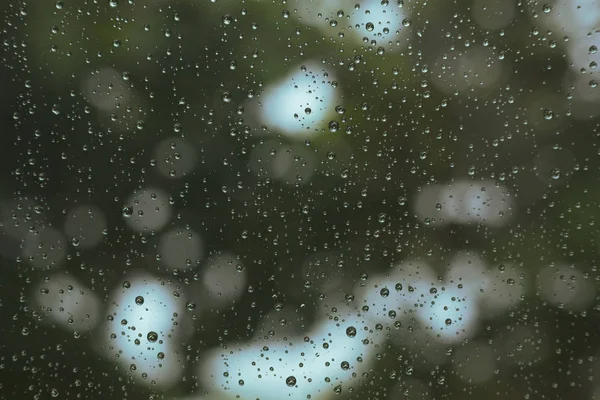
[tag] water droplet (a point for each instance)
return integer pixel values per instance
(369, 26)
(190, 305)
(290, 381)
(334, 126)
(152, 336)
(227, 19)
(127, 211)
(139, 300)
(351, 331)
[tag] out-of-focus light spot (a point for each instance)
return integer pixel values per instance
(487, 203)
(577, 20)
(283, 321)
(295, 368)
(300, 103)
(63, 300)
(224, 277)
(523, 345)
(181, 248)
(45, 248)
(379, 21)
(492, 14)
(392, 296)
(464, 202)
(320, 270)
(468, 272)
(317, 12)
(566, 287)
(427, 206)
(147, 210)
(449, 316)
(585, 102)
(474, 363)
(505, 289)
(292, 164)
(451, 199)
(105, 89)
(175, 158)
(581, 56)
(85, 225)
(144, 329)
(423, 352)
(18, 217)
(475, 70)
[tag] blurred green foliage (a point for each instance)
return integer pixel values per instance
(177, 56)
